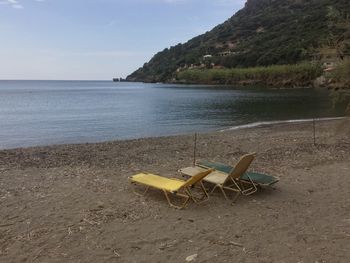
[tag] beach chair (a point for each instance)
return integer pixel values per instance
(259, 179)
(174, 186)
(235, 179)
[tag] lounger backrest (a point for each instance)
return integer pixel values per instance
(196, 178)
(242, 165)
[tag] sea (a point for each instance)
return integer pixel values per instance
(36, 113)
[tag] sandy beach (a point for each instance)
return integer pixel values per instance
(73, 203)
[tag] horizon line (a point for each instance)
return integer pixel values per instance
(57, 79)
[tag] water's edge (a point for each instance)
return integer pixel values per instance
(270, 123)
(235, 128)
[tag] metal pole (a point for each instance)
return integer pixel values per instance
(314, 125)
(195, 149)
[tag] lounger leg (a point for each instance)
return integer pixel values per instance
(235, 198)
(187, 198)
(237, 189)
(214, 188)
(221, 189)
(250, 190)
(141, 194)
(224, 193)
(205, 196)
(241, 190)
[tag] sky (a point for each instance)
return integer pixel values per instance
(97, 39)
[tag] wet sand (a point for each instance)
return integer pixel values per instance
(73, 203)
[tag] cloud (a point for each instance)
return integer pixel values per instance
(16, 3)
(13, 3)
(17, 6)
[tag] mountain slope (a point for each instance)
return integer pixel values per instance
(264, 32)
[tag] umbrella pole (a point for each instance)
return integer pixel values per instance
(195, 149)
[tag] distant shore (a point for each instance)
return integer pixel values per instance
(74, 202)
(281, 76)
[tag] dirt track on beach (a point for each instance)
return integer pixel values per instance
(73, 203)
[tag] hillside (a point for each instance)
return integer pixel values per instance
(264, 32)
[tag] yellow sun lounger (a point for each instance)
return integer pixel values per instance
(174, 186)
(228, 181)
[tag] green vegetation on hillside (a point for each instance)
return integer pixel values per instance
(341, 74)
(263, 33)
(277, 75)
(339, 80)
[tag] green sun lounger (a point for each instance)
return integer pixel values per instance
(258, 178)
(228, 178)
(227, 181)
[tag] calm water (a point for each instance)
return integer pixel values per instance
(54, 112)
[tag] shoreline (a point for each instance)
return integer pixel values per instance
(271, 123)
(74, 202)
(233, 128)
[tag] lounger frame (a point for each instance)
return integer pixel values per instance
(184, 192)
(233, 182)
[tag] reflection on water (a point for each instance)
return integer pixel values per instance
(53, 112)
